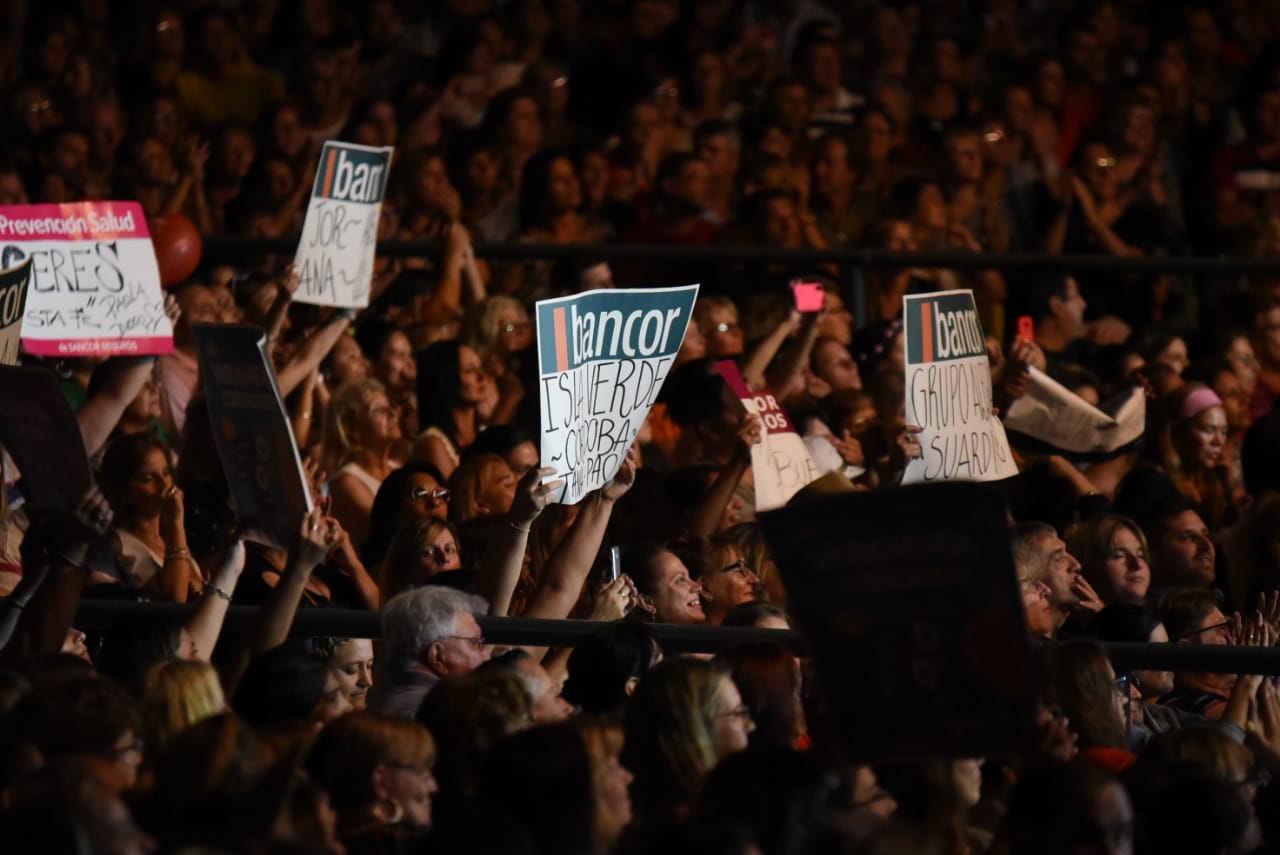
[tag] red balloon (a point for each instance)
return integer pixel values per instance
(178, 246)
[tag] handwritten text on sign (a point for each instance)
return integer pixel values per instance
(602, 359)
(948, 392)
(780, 462)
(95, 287)
(13, 297)
(340, 233)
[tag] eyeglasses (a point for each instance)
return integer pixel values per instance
(741, 713)
(724, 328)
(1103, 162)
(1194, 632)
(510, 328)
(476, 641)
(738, 566)
(432, 495)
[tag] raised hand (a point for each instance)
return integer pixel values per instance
(533, 496)
(1089, 600)
(172, 515)
(625, 478)
(850, 449)
(614, 600)
(315, 538)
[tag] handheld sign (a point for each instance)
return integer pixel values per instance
(340, 234)
(1051, 418)
(40, 433)
(255, 441)
(95, 287)
(948, 392)
(13, 298)
(780, 462)
(602, 359)
(912, 610)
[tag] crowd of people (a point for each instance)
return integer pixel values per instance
(1127, 128)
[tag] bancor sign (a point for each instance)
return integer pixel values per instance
(602, 359)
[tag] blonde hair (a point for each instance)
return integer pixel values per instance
(487, 330)
(346, 408)
(350, 748)
(467, 483)
(179, 693)
(670, 744)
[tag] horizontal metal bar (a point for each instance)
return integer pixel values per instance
(674, 638)
(229, 246)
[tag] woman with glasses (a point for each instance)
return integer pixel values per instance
(726, 578)
(362, 431)
(685, 716)
(411, 493)
(1079, 678)
(377, 770)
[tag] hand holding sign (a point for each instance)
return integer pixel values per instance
(533, 496)
(625, 478)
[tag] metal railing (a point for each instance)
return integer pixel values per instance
(674, 638)
(230, 246)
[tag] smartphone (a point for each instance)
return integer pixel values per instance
(615, 563)
(809, 296)
(1026, 328)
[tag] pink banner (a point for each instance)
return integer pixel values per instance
(95, 286)
(73, 221)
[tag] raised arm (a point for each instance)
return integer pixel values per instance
(706, 516)
(499, 569)
(761, 356)
(205, 624)
(312, 352)
(99, 415)
(787, 377)
(567, 569)
(40, 611)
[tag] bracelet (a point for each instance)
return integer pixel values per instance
(222, 595)
(517, 528)
(177, 553)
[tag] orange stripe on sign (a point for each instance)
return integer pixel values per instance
(562, 340)
(926, 331)
(328, 172)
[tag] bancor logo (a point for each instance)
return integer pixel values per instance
(351, 175)
(947, 327)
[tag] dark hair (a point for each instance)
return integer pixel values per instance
(639, 561)
(1124, 622)
(1042, 289)
(749, 614)
(119, 463)
(535, 201)
(84, 715)
(768, 678)
(131, 647)
(543, 777)
(500, 440)
(1074, 673)
(778, 794)
(282, 687)
(1183, 610)
(440, 386)
(388, 503)
(602, 663)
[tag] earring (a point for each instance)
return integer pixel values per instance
(389, 811)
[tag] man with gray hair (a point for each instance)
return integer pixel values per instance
(430, 632)
(1040, 556)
